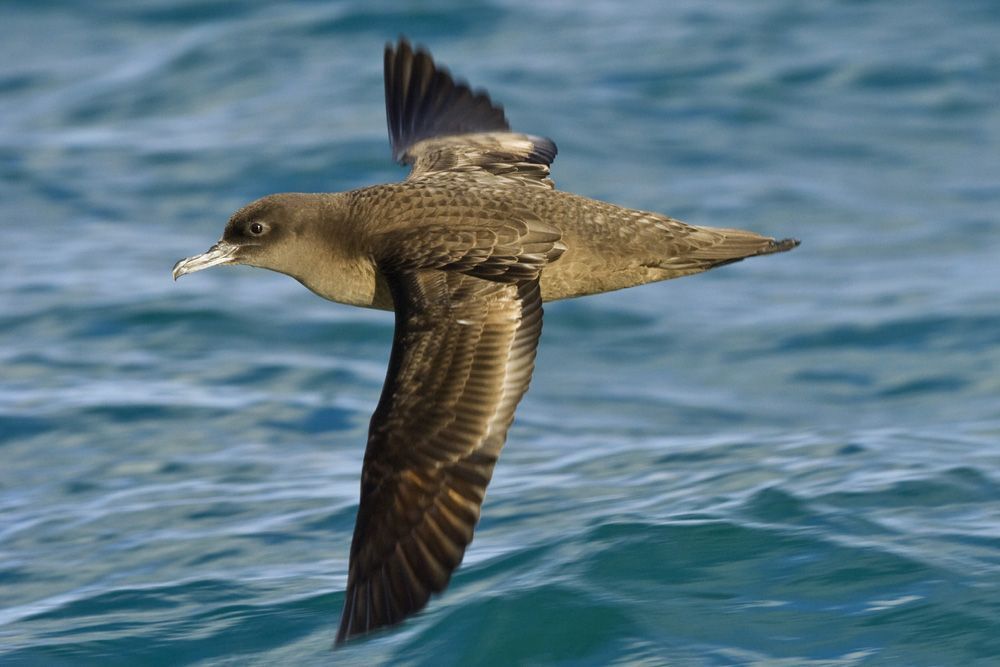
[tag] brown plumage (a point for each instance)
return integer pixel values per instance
(464, 251)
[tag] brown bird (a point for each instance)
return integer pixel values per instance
(464, 251)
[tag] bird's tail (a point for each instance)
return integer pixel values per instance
(738, 244)
(704, 248)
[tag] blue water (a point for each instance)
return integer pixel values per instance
(794, 460)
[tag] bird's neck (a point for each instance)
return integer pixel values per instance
(332, 265)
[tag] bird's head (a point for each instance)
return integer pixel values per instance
(309, 237)
(268, 233)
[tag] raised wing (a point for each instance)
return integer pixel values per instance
(437, 124)
(462, 357)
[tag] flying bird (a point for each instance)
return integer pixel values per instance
(464, 251)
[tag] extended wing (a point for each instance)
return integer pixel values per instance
(468, 317)
(462, 358)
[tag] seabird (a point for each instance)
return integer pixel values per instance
(464, 251)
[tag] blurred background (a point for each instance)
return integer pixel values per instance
(791, 460)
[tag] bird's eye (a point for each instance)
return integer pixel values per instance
(256, 229)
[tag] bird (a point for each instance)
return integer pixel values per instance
(464, 251)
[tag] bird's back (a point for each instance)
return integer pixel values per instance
(608, 247)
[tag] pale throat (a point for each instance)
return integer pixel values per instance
(351, 282)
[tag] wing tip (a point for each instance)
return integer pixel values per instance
(369, 619)
(443, 105)
(543, 150)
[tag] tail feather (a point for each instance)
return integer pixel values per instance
(734, 244)
(776, 245)
(706, 248)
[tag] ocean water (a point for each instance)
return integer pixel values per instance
(794, 460)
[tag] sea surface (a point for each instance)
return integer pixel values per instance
(793, 460)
